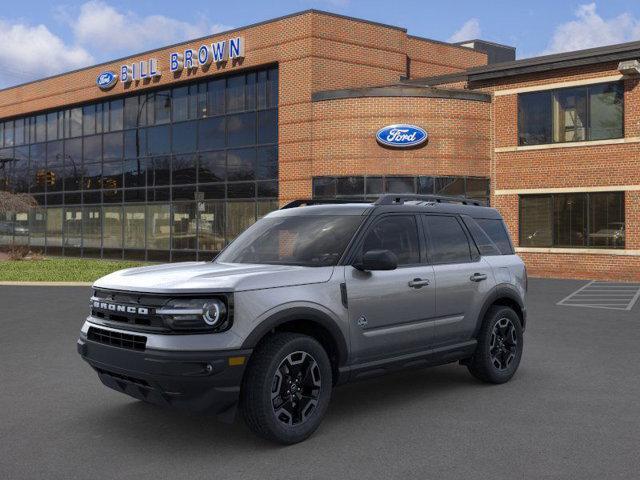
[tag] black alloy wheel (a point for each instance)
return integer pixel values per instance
(504, 344)
(296, 388)
(499, 348)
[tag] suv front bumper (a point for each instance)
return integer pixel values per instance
(195, 381)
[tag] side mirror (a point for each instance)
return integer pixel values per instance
(378, 260)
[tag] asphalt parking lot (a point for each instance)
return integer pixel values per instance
(572, 411)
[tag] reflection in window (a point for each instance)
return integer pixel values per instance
(54, 227)
(241, 164)
(593, 112)
(134, 226)
(241, 129)
(92, 227)
(158, 227)
(594, 220)
(240, 215)
(184, 137)
(211, 227)
(211, 133)
(112, 225)
(37, 226)
(184, 226)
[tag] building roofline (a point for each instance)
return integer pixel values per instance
(225, 32)
(436, 79)
(556, 61)
(440, 42)
(495, 44)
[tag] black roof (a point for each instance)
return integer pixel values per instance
(388, 203)
(590, 56)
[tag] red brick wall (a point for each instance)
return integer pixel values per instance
(429, 58)
(568, 167)
(344, 137)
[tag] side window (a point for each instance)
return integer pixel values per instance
(484, 243)
(398, 234)
(447, 241)
(497, 232)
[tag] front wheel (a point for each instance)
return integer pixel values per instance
(287, 387)
(499, 349)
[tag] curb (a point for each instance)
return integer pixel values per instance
(47, 284)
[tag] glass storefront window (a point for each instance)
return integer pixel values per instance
(92, 227)
(37, 227)
(582, 220)
(184, 226)
(54, 227)
(112, 227)
(111, 175)
(134, 226)
(240, 215)
(158, 227)
(577, 114)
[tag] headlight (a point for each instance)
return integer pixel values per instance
(195, 314)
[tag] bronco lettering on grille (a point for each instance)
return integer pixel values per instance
(120, 308)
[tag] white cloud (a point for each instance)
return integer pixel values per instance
(591, 30)
(107, 30)
(98, 32)
(28, 52)
(469, 31)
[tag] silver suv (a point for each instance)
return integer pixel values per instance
(309, 297)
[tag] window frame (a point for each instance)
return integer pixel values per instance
(354, 249)
(588, 196)
(474, 253)
(552, 93)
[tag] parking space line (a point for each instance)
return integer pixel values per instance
(613, 296)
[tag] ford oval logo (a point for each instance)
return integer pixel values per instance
(106, 80)
(401, 136)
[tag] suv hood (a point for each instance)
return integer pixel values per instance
(193, 277)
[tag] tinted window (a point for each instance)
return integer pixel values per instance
(496, 231)
(447, 241)
(313, 240)
(397, 234)
(485, 245)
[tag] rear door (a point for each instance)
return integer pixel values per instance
(391, 312)
(463, 279)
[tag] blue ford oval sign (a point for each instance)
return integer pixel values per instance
(401, 136)
(106, 80)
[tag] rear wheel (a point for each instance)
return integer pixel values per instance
(287, 387)
(499, 349)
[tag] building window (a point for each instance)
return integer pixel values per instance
(573, 220)
(361, 188)
(593, 112)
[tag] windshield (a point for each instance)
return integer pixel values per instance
(311, 241)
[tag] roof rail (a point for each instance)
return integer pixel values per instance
(308, 202)
(390, 199)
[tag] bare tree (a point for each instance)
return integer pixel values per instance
(16, 202)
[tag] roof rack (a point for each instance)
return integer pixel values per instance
(400, 199)
(308, 202)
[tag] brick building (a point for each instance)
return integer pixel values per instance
(169, 154)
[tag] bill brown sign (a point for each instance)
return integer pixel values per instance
(189, 59)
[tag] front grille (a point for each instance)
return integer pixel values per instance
(132, 319)
(117, 339)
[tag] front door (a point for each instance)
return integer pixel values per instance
(391, 312)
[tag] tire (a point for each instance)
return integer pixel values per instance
(499, 348)
(286, 388)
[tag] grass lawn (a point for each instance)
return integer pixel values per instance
(60, 269)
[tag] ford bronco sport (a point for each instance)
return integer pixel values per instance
(311, 296)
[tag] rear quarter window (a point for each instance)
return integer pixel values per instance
(496, 231)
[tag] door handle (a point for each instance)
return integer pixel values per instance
(478, 277)
(418, 283)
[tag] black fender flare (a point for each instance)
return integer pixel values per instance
(296, 314)
(499, 292)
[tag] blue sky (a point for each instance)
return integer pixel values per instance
(43, 37)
